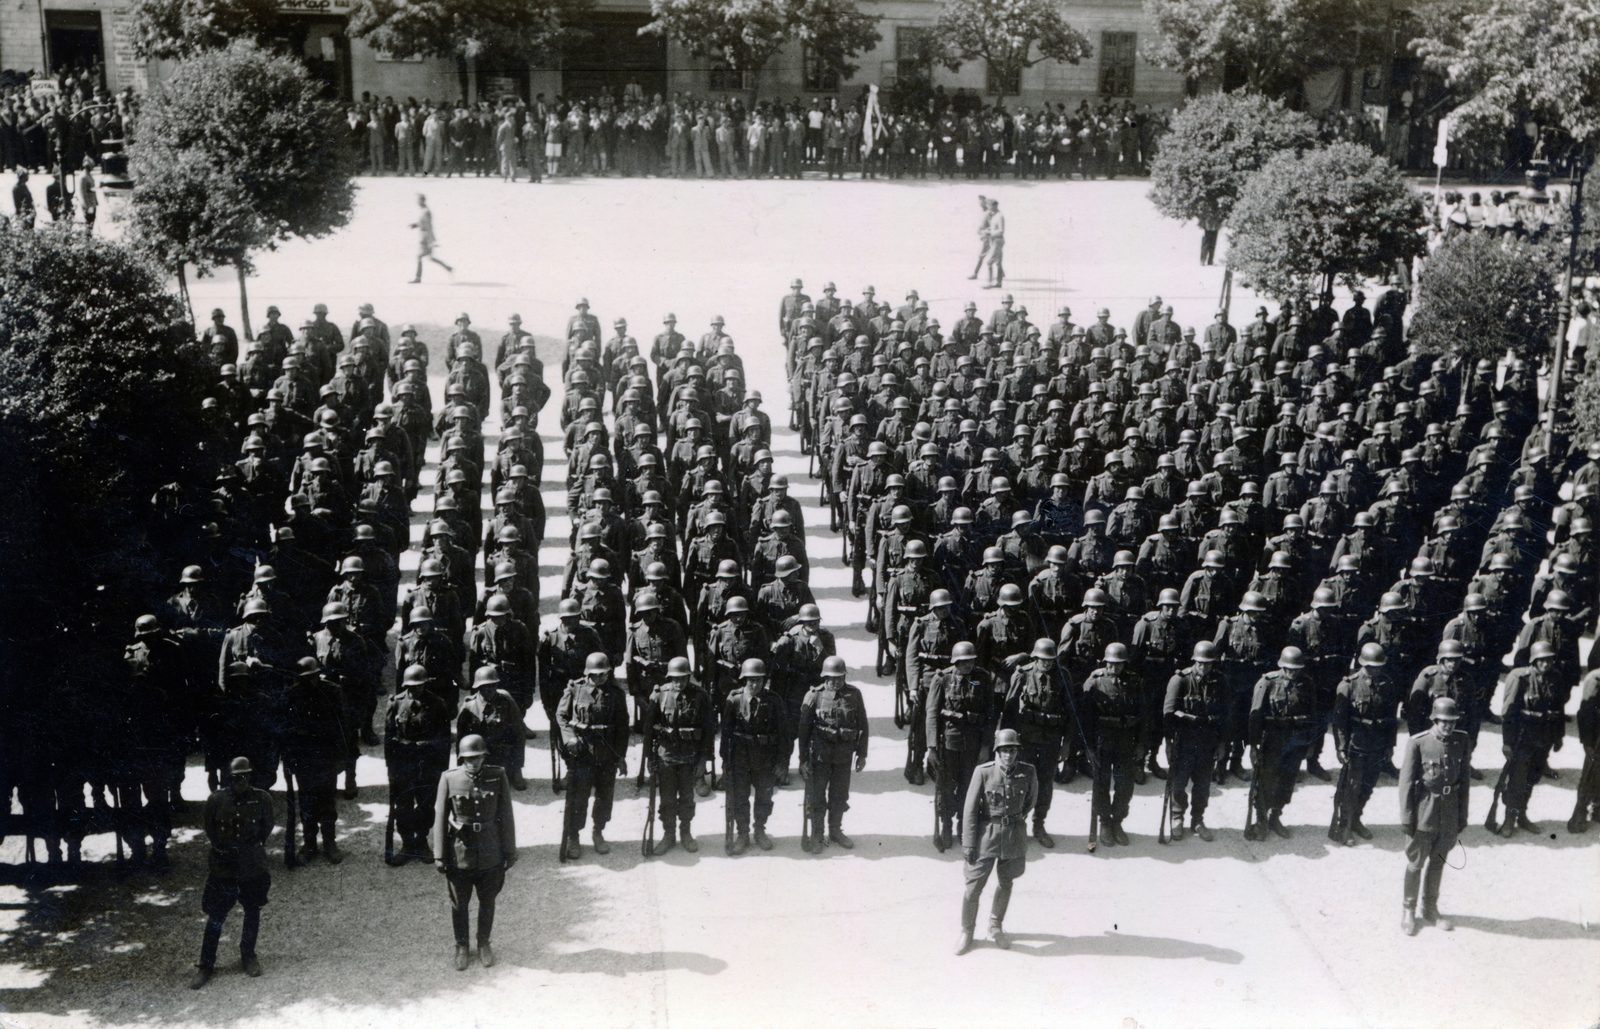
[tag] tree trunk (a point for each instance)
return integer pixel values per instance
(244, 300)
(183, 291)
(1559, 358)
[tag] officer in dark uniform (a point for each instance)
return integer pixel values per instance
(1196, 704)
(592, 719)
(994, 834)
(474, 842)
(493, 713)
(1113, 700)
(416, 751)
(833, 731)
(680, 727)
(961, 709)
(1363, 730)
(752, 745)
(1433, 810)
(238, 820)
(1282, 718)
(1039, 704)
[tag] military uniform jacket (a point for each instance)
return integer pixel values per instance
(1085, 637)
(507, 645)
(1433, 783)
(731, 645)
(797, 656)
(562, 653)
(1433, 681)
(995, 815)
(928, 646)
(1283, 701)
(1196, 698)
(833, 724)
(316, 723)
(752, 726)
(1363, 713)
(679, 723)
(962, 709)
(415, 726)
(1111, 702)
(593, 720)
(493, 714)
(649, 649)
(237, 828)
(907, 600)
(474, 829)
(1532, 713)
(1037, 704)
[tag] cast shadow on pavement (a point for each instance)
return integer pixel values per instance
(615, 962)
(1527, 928)
(1119, 945)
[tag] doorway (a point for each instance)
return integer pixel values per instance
(75, 40)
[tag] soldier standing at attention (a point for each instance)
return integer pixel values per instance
(592, 719)
(994, 834)
(833, 730)
(474, 842)
(1433, 810)
(679, 726)
(416, 751)
(752, 745)
(238, 821)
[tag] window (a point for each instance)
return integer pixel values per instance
(1117, 51)
(727, 80)
(1002, 84)
(912, 46)
(819, 77)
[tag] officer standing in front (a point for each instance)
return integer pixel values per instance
(994, 834)
(474, 842)
(833, 730)
(238, 820)
(1433, 810)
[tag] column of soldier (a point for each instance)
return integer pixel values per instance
(1116, 542)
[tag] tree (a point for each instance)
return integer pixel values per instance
(1534, 59)
(1480, 297)
(746, 34)
(171, 29)
(1274, 44)
(234, 152)
(1305, 220)
(1213, 145)
(1009, 35)
(525, 30)
(100, 384)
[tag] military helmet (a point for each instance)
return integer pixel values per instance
(1096, 598)
(473, 745)
(1044, 648)
(240, 766)
(335, 612)
(1451, 649)
(1253, 601)
(1205, 650)
(1557, 600)
(597, 662)
(1541, 651)
(808, 613)
(568, 608)
(1116, 653)
(963, 651)
(1292, 657)
(833, 666)
(678, 668)
(786, 566)
(736, 605)
(753, 668)
(1372, 655)
(1444, 710)
(485, 676)
(1010, 595)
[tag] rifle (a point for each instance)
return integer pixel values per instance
(1162, 836)
(1250, 801)
(116, 826)
(940, 777)
(1492, 822)
(647, 846)
(1579, 822)
(1094, 768)
(290, 810)
(388, 831)
(808, 769)
(1338, 829)
(556, 785)
(727, 824)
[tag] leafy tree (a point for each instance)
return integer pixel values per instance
(234, 152)
(1305, 220)
(528, 30)
(1479, 297)
(746, 34)
(1273, 43)
(100, 383)
(1213, 145)
(170, 29)
(1009, 35)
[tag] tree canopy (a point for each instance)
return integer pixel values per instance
(1010, 35)
(1340, 211)
(746, 34)
(1274, 44)
(1214, 144)
(170, 29)
(529, 30)
(1479, 297)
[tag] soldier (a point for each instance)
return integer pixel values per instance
(427, 646)
(752, 745)
(158, 686)
(832, 731)
(1242, 651)
(416, 751)
(1158, 643)
(1039, 705)
(653, 641)
(1532, 722)
(316, 746)
(474, 842)
(1433, 810)
(238, 820)
(1113, 699)
(1195, 706)
(960, 712)
(602, 608)
(797, 658)
(1282, 718)
(1363, 731)
(562, 653)
(679, 730)
(999, 799)
(592, 719)
(491, 712)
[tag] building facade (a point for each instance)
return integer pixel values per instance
(49, 35)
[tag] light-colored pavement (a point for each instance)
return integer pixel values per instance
(1273, 934)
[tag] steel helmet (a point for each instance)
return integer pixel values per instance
(727, 569)
(1010, 595)
(473, 745)
(1323, 597)
(599, 568)
(737, 605)
(1096, 598)
(963, 651)
(352, 564)
(1279, 560)
(1557, 601)
(430, 568)
(1057, 555)
(786, 566)
(568, 608)
(256, 606)
(1291, 658)
(1391, 601)
(678, 668)
(1475, 602)
(753, 668)
(1541, 651)
(1372, 655)
(485, 676)
(833, 666)
(808, 613)
(1444, 709)
(1205, 651)
(597, 662)
(916, 549)
(335, 612)
(1451, 649)
(499, 604)
(1253, 601)
(939, 598)
(415, 675)
(1116, 653)
(1168, 596)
